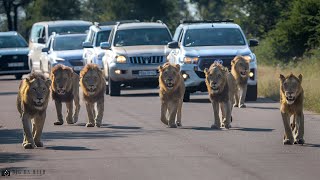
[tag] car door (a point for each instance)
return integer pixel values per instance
(89, 52)
(37, 47)
(45, 56)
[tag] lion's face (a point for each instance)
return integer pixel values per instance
(215, 78)
(291, 87)
(241, 65)
(91, 80)
(38, 91)
(170, 75)
(61, 80)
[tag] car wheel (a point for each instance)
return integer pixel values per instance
(252, 93)
(114, 88)
(186, 97)
(18, 76)
(107, 89)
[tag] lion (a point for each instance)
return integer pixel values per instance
(65, 88)
(291, 100)
(93, 85)
(171, 93)
(240, 71)
(221, 88)
(32, 102)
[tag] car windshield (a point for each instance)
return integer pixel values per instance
(136, 37)
(213, 37)
(14, 41)
(68, 42)
(68, 29)
(102, 36)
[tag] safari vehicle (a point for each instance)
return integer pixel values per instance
(13, 54)
(133, 53)
(198, 44)
(41, 31)
(63, 49)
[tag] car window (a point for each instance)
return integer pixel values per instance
(62, 43)
(12, 42)
(213, 37)
(68, 29)
(147, 36)
(102, 36)
(35, 33)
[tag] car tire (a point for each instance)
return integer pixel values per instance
(114, 88)
(18, 76)
(252, 93)
(107, 89)
(186, 97)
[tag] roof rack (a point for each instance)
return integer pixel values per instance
(110, 23)
(207, 21)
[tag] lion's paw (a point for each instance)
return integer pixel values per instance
(242, 106)
(28, 146)
(89, 125)
(39, 144)
(179, 124)
(75, 119)
(58, 123)
(172, 126)
(287, 142)
(227, 126)
(215, 126)
(299, 141)
(235, 105)
(98, 125)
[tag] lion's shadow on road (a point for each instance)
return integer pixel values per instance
(10, 157)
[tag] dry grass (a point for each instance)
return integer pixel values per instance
(268, 81)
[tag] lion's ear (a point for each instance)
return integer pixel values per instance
(282, 78)
(160, 68)
(48, 82)
(300, 78)
(178, 67)
(206, 71)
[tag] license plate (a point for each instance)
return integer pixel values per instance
(147, 73)
(77, 68)
(19, 64)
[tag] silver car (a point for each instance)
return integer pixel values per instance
(198, 44)
(133, 54)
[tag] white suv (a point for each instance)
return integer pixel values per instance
(198, 44)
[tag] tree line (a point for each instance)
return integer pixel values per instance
(287, 29)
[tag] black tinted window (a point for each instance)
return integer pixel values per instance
(68, 42)
(102, 36)
(213, 37)
(148, 36)
(12, 41)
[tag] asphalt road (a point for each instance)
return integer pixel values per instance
(133, 143)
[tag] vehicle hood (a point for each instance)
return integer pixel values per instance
(69, 54)
(15, 51)
(202, 51)
(159, 50)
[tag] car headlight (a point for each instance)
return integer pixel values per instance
(121, 59)
(190, 60)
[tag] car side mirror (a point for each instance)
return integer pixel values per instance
(173, 45)
(105, 45)
(87, 45)
(41, 40)
(253, 42)
(45, 50)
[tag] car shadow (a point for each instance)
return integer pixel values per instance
(199, 128)
(10, 79)
(6, 157)
(68, 148)
(199, 101)
(311, 145)
(265, 108)
(252, 129)
(140, 95)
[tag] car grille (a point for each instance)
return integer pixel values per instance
(205, 62)
(146, 60)
(76, 62)
(5, 59)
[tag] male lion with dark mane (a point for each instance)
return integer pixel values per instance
(221, 88)
(240, 71)
(32, 102)
(65, 88)
(93, 85)
(171, 94)
(291, 99)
